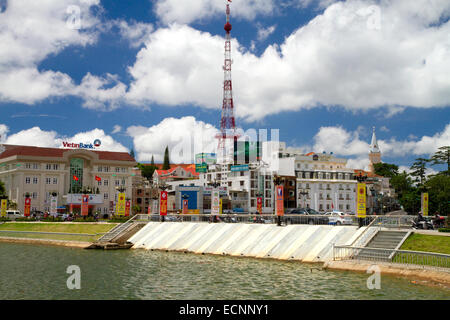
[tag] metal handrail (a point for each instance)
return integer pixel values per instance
(365, 231)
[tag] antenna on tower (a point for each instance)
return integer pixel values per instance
(227, 122)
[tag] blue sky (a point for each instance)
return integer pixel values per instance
(309, 74)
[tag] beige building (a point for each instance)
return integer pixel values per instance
(39, 172)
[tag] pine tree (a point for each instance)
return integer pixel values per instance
(166, 164)
(418, 170)
(152, 162)
(442, 157)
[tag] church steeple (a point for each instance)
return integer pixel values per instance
(374, 144)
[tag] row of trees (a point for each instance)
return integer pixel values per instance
(148, 170)
(409, 186)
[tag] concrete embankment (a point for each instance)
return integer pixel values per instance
(407, 271)
(63, 243)
(306, 243)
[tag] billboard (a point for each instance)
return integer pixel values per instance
(361, 201)
(185, 206)
(120, 208)
(259, 205)
(202, 160)
(54, 205)
(239, 167)
(425, 204)
(215, 202)
(85, 205)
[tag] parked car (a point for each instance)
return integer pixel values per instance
(338, 218)
(310, 217)
(14, 214)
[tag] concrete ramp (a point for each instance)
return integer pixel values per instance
(307, 243)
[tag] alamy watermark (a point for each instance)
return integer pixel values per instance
(74, 280)
(74, 19)
(374, 281)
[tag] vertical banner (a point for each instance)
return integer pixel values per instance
(361, 201)
(71, 208)
(185, 206)
(215, 202)
(220, 206)
(127, 208)
(85, 205)
(163, 204)
(4, 207)
(120, 208)
(149, 210)
(53, 205)
(26, 212)
(425, 204)
(259, 205)
(280, 201)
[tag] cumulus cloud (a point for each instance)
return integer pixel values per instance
(264, 33)
(185, 12)
(185, 137)
(355, 54)
(51, 139)
(116, 129)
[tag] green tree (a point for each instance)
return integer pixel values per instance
(438, 188)
(166, 163)
(402, 183)
(147, 171)
(442, 157)
(386, 169)
(418, 170)
(2, 189)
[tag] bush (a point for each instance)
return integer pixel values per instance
(116, 219)
(26, 219)
(5, 219)
(444, 229)
(52, 219)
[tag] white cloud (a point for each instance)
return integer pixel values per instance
(182, 11)
(264, 33)
(185, 137)
(116, 129)
(343, 57)
(135, 32)
(3, 132)
(51, 139)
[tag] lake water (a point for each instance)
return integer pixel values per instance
(39, 272)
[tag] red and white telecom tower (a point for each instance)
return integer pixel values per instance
(227, 122)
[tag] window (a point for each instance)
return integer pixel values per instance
(106, 169)
(55, 180)
(34, 195)
(117, 182)
(105, 183)
(124, 170)
(48, 166)
(27, 165)
(55, 166)
(123, 182)
(99, 182)
(117, 169)
(27, 180)
(100, 169)
(241, 183)
(35, 180)
(47, 180)
(35, 166)
(105, 196)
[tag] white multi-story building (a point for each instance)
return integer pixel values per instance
(40, 172)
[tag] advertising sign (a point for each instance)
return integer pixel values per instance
(215, 202)
(185, 206)
(221, 206)
(127, 208)
(203, 159)
(4, 207)
(85, 205)
(53, 205)
(280, 203)
(361, 201)
(259, 205)
(425, 204)
(120, 208)
(239, 167)
(163, 203)
(26, 212)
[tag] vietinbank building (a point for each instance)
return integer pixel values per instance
(60, 176)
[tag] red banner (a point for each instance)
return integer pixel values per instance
(149, 209)
(163, 204)
(85, 205)
(280, 203)
(127, 208)
(26, 212)
(259, 205)
(185, 206)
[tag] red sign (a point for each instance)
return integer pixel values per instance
(185, 206)
(127, 208)
(85, 205)
(26, 212)
(163, 204)
(259, 205)
(280, 203)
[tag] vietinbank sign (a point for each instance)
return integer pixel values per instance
(97, 143)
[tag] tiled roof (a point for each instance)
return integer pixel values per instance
(14, 150)
(366, 173)
(187, 167)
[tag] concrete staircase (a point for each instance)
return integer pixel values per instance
(382, 240)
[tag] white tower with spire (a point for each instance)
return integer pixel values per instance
(374, 152)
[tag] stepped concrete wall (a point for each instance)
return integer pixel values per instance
(306, 243)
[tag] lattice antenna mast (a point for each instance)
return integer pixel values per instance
(227, 122)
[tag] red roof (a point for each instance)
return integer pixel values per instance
(365, 173)
(187, 167)
(13, 150)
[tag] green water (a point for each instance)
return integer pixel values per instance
(39, 272)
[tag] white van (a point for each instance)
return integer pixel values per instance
(13, 214)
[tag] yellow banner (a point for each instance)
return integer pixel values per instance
(361, 201)
(120, 208)
(4, 207)
(425, 204)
